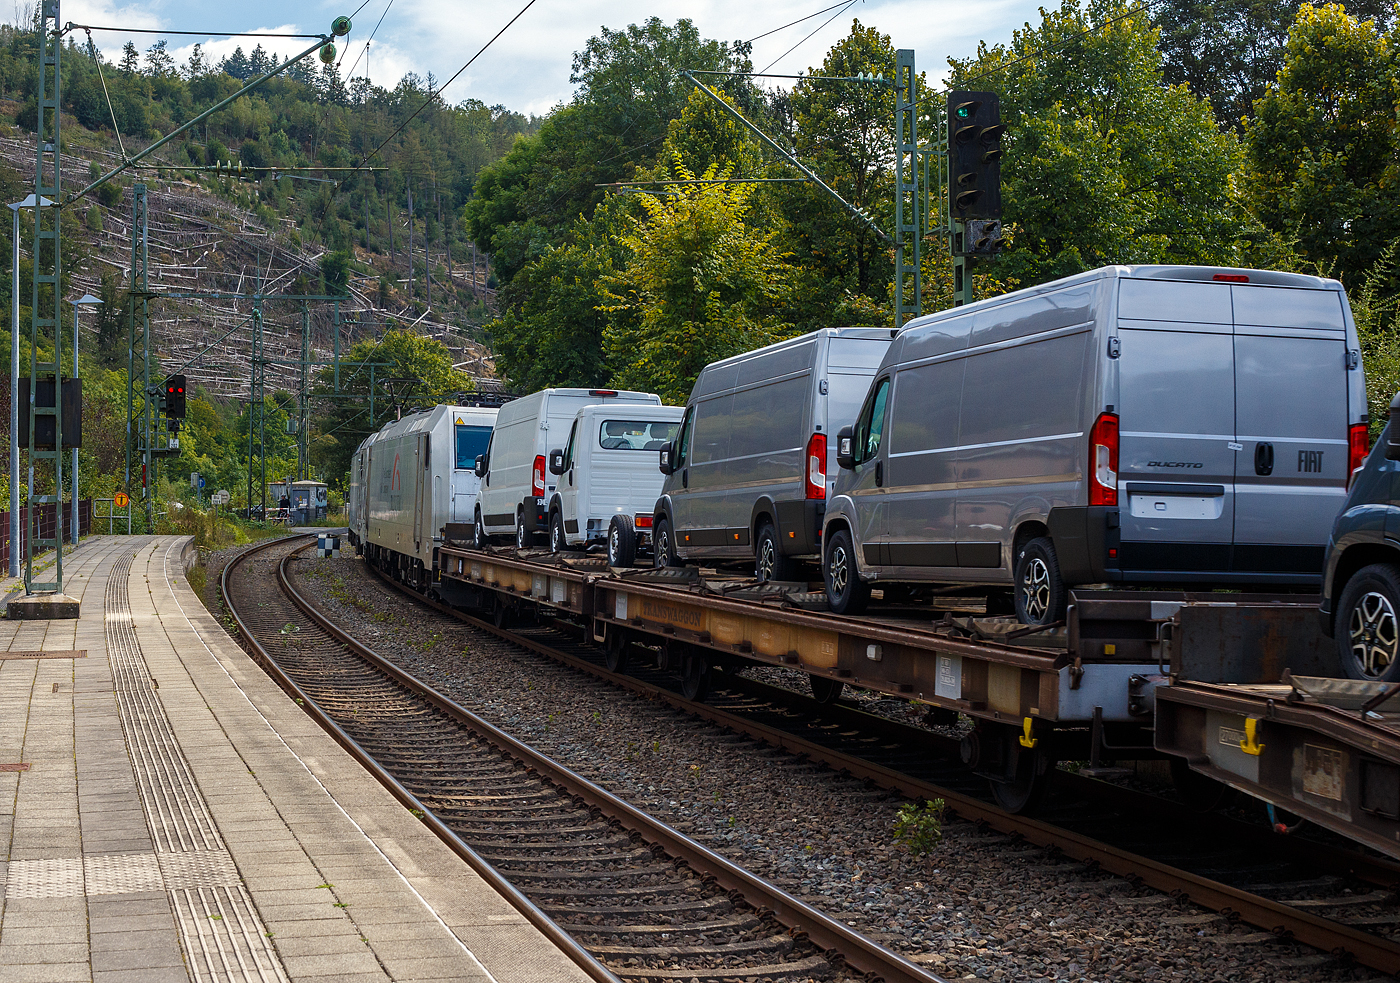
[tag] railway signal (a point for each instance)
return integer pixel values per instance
(175, 397)
(974, 149)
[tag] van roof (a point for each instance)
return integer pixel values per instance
(1229, 274)
(661, 412)
(873, 334)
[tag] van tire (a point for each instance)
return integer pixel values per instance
(663, 550)
(622, 543)
(523, 539)
(768, 560)
(1368, 624)
(1041, 596)
(557, 541)
(846, 593)
(479, 538)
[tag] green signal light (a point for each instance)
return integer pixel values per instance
(964, 112)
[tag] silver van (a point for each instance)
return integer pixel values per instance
(748, 474)
(1129, 425)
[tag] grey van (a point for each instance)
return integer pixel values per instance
(1129, 425)
(747, 476)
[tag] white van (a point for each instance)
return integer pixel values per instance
(515, 482)
(608, 483)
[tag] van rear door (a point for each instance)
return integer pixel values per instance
(1176, 384)
(1291, 408)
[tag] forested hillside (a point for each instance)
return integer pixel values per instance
(338, 185)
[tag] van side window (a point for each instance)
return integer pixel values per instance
(569, 447)
(871, 425)
(683, 452)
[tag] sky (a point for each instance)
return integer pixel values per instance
(527, 68)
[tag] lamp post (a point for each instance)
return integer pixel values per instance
(86, 300)
(14, 381)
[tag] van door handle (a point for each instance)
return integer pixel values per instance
(879, 474)
(685, 477)
(1263, 458)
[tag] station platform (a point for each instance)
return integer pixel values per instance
(167, 813)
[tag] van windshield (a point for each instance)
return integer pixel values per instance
(471, 444)
(636, 435)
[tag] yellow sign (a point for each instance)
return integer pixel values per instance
(120, 500)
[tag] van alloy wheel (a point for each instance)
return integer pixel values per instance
(840, 569)
(1367, 630)
(522, 538)
(1374, 632)
(1035, 588)
(767, 560)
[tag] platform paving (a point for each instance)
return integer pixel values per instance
(168, 814)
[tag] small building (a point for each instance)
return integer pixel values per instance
(309, 501)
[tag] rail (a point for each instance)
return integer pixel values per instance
(858, 952)
(1329, 936)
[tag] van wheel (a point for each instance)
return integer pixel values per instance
(1368, 624)
(479, 538)
(768, 560)
(622, 543)
(664, 553)
(1040, 590)
(557, 542)
(846, 593)
(522, 537)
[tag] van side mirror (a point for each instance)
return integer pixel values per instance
(556, 462)
(845, 447)
(480, 466)
(665, 463)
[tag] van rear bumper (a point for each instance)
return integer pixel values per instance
(1090, 549)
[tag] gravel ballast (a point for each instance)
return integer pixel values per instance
(980, 906)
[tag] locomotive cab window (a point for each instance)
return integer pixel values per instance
(471, 444)
(636, 435)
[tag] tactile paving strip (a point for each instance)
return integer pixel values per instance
(223, 937)
(120, 873)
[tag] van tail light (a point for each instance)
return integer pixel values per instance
(816, 466)
(1103, 458)
(537, 477)
(642, 521)
(1358, 444)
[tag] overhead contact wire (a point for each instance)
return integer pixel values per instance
(438, 94)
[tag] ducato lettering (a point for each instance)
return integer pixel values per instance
(1175, 464)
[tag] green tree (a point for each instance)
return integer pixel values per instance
(1105, 162)
(845, 132)
(1324, 145)
(551, 333)
(426, 377)
(1230, 51)
(629, 91)
(699, 285)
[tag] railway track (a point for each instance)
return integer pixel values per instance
(624, 895)
(1335, 899)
